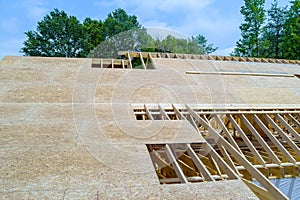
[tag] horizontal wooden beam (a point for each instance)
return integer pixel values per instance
(240, 74)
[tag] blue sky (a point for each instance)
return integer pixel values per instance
(218, 20)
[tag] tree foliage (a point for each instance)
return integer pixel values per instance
(278, 38)
(194, 45)
(93, 29)
(177, 45)
(131, 40)
(201, 41)
(254, 16)
(272, 35)
(61, 35)
(57, 35)
(291, 33)
(119, 21)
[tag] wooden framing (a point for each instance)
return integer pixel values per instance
(247, 141)
(274, 192)
(185, 161)
(261, 141)
(288, 127)
(199, 164)
(163, 113)
(207, 57)
(274, 140)
(241, 74)
(226, 132)
(283, 134)
(175, 164)
(271, 136)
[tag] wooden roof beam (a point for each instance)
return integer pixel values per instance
(288, 127)
(175, 165)
(227, 133)
(246, 140)
(199, 164)
(142, 60)
(163, 113)
(293, 120)
(216, 157)
(177, 113)
(260, 140)
(283, 134)
(274, 191)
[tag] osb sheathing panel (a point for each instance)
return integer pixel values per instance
(56, 167)
(255, 67)
(69, 131)
(18, 62)
(276, 82)
(252, 95)
(140, 133)
(37, 134)
(211, 190)
(36, 113)
(116, 123)
(38, 94)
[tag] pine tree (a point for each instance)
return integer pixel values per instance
(291, 35)
(254, 16)
(273, 32)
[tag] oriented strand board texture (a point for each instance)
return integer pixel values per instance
(234, 89)
(68, 131)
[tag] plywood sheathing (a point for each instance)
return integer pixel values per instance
(61, 136)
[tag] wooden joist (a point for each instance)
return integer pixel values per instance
(288, 127)
(274, 192)
(199, 164)
(175, 165)
(283, 134)
(246, 140)
(261, 141)
(274, 140)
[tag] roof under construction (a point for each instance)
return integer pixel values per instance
(149, 125)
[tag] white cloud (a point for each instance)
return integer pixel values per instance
(156, 8)
(178, 7)
(35, 9)
(189, 17)
(162, 32)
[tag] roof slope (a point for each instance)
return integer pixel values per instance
(69, 130)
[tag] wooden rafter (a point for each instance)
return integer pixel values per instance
(261, 141)
(274, 192)
(246, 140)
(283, 134)
(175, 165)
(288, 127)
(274, 140)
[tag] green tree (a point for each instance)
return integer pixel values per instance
(202, 42)
(180, 45)
(93, 29)
(131, 40)
(57, 35)
(291, 34)
(254, 16)
(272, 36)
(120, 32)
(119, 21)
(170, 44)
